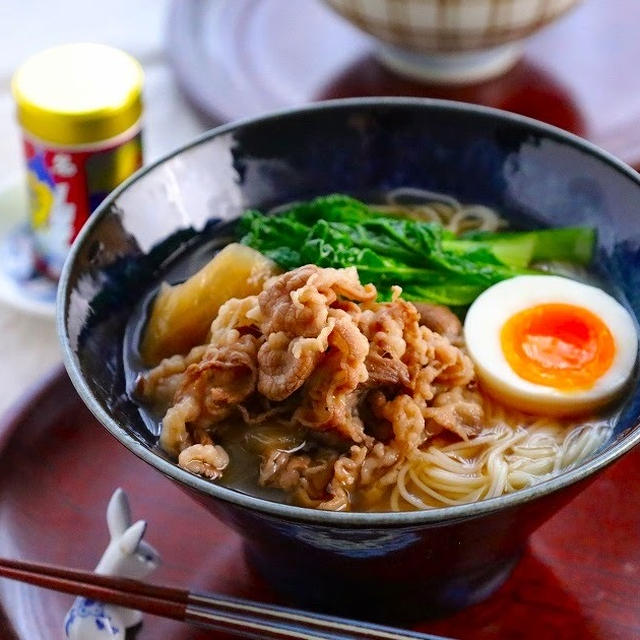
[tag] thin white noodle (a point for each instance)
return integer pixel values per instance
(432, 206)
(443, 499)
(456, 494)
(408, 497)
(487, 219)
(396, 195)
(456, 486)
(504, 457)
(394, 502)
(451, 462)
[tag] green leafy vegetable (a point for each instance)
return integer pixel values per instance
(428, 261)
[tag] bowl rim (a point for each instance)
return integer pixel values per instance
(210, 489)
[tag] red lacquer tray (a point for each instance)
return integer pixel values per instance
(239, 58)
(580, 577)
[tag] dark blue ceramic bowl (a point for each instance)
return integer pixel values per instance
(382, 564)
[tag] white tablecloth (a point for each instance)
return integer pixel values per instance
(28, 344)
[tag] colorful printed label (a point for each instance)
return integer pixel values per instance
(65, 187)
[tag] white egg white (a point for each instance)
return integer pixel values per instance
(491, 309)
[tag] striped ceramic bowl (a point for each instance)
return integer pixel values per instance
(450, 40)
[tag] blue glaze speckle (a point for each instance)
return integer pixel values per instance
(93, 612)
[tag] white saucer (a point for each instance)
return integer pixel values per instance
(20, 285)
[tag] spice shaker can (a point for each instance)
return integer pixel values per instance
(80, 110)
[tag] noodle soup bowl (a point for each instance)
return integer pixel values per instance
(180, 209)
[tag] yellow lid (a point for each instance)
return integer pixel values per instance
(78, 93)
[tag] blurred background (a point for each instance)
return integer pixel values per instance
(28, 341)
(208, 61)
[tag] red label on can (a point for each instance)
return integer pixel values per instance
(66, 185)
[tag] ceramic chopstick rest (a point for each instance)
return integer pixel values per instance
(127, 556)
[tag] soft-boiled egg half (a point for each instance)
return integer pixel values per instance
(550, 345)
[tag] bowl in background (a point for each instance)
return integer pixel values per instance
(385, 565)
(450, 41)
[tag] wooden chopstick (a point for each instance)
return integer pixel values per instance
(232, 615)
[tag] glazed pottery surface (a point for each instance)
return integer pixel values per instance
(179, 210)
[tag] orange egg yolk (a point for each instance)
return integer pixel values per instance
(558, 345)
